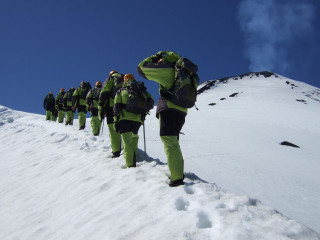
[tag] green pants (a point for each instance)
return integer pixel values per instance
(69, 117)
(174, 156)
(60, 116)
(130, 146)
(95, 125)
(115, 139)
(49, 115)
(82, 119)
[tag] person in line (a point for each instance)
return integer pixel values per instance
(67, 103)
(79, 101)
(48, 105)
(106, 103)
(93, 103)
(59, 105)
(161, 69)
(128, 123)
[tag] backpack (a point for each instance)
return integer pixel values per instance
(118, 82)
(96, 93)
(60, 100)
(85, 90)
(138, 101)
(184, 90)
(70, 93)
(50, 99)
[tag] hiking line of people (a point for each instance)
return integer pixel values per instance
(125, 103)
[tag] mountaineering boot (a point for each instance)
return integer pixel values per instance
(115, 154)
(176, 183)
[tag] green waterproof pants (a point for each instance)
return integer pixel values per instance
(95, 125)
(174, 156)
(49, 115)
(115, 138)
(69, 117)
(82, 119)
(130, 146)
(60, 116)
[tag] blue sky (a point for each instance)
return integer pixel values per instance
(46, 45)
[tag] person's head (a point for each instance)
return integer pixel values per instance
(98, 84)
(128, 77)
(112, 72)
(82, 84)
(62, 90)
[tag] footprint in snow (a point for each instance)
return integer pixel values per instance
(188, 190)
(181, 205)
(203, 221)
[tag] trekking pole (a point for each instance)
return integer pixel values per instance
(144, 138)
(102, 127)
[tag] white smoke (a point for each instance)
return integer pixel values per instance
(272, 28)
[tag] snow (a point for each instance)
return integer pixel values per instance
(57, 182)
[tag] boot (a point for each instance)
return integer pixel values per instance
(176, 183)
(116, 154)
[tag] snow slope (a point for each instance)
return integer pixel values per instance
(57, 182)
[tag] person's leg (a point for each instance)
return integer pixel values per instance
(48, 115)
(60, 116)
(171, 123)
(128, 149)
(129, 132)
(95, 122)
(82, 115)
(115, 137)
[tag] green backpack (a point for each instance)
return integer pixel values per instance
(184, 91)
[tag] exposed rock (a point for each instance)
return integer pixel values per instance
(285, 143)
(233, 94)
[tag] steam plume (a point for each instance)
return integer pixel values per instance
(272, 28)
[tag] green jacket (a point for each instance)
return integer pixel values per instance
(108, 91)
(162, 73)
(119, 111)
(79, 97)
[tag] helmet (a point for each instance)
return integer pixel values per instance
(112, 72)
(82, 84)
(62, 90)
(128, 77)
(98, 84)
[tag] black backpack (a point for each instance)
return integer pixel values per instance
(118, 82)
(184, 91)
(138, 101)
(70, 93)
(50, 100)
(96, 93)
(60, 100)
(86, 89)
